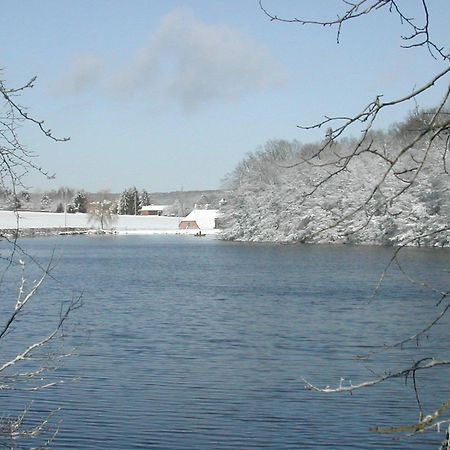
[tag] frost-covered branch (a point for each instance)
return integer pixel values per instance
(15, 159)
(24, 298)
(37, 359)
(388, 187)
(27, 353)
(424, 364)
(26, 362)
(337, 126)
(13, 429)
(426, 423)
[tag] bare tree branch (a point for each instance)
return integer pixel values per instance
(424, 364)
(15, 163)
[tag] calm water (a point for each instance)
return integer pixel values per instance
(188, 343)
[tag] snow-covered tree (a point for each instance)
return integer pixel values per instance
(130, 202)
(274, 197)
(103, 213)
(124, 201)
(46, 202)
(80, 202)
(144, 198)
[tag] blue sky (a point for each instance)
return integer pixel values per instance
(170, 94)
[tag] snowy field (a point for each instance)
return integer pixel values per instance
(123, 225)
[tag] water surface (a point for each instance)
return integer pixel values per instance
(189, 343)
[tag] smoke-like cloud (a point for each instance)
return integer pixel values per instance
(84, 73)
(190, 63)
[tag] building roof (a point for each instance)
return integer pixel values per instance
(155, 207)
(205, 218)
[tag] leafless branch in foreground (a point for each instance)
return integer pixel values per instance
(29, 355)
(401, 168)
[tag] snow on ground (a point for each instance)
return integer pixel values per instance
(123, 225)
(25, 219)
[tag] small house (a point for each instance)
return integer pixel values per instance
(200, 219)
(154, 210)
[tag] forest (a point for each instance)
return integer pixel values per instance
(390, 188)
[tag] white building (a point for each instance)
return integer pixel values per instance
(200, 219)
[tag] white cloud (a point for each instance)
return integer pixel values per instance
(83, 74)
(190, 63)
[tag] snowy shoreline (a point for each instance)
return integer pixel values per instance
(40, 224)
(44, 224)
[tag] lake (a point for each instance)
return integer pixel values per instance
(188, 343)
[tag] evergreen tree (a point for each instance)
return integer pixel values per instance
(135, 206)
(81, 202)
(130, 202)
(124, 203)
(144, 198)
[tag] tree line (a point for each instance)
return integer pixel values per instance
(294, 192)
(70, 200)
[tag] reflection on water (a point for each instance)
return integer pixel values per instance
(198, 344)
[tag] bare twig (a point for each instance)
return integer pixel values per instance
(424, 364)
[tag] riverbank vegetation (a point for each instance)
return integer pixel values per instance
(293, 192)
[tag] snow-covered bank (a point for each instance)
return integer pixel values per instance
(26, 219)
(51, 223)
